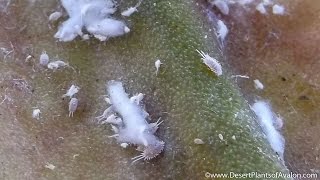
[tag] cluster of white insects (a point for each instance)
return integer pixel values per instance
(127, 118)
(44, 61)
(73, 103)
(223, 7)
(95, 17)
(54, 65)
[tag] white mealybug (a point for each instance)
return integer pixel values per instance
(220, 137)
(124, 145)
(157, 64)
(107, 28)
(50, 166)
(73, 104)
(126, 29)
(260, 7)
(93, 16)
(258, 84)
(222, 30)
(44, 58)
(113, 119)
(36, 113)
(28, 58)
(278, 9)
(55, 16)
(137, 98)
(240, 76)
(57, 64)
(106, 113)
(107, 100)
(100, 37)
(233, 137)
(211, 62)
(198, 141)
(133, 127)
(72, 91)
(129, 11)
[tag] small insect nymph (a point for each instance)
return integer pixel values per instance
(258, 84)
(211, 62)
(72, 91)
(106, 113)
(36, 113)
(137, 98)
(73, 104)
(157, 64)
(278, 9)
(44, 59)
(220, 137)
(57, 64)
(198, 141)
(131, 10)
(28, 58)
(132, 128)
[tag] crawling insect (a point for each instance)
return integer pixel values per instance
(153, 127)
(113, 119)
(211, 62)
(131, 10)
(133, 129)
(278, 9)
(57, 64)
(28, 58)
(73, 104)
(106, 113)
(44, 58)
(74, 89)
(137, 98)
(198, 141)
(220, 137)
(157, 64)
(257, 84)
(36, 113)
(124, 145)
